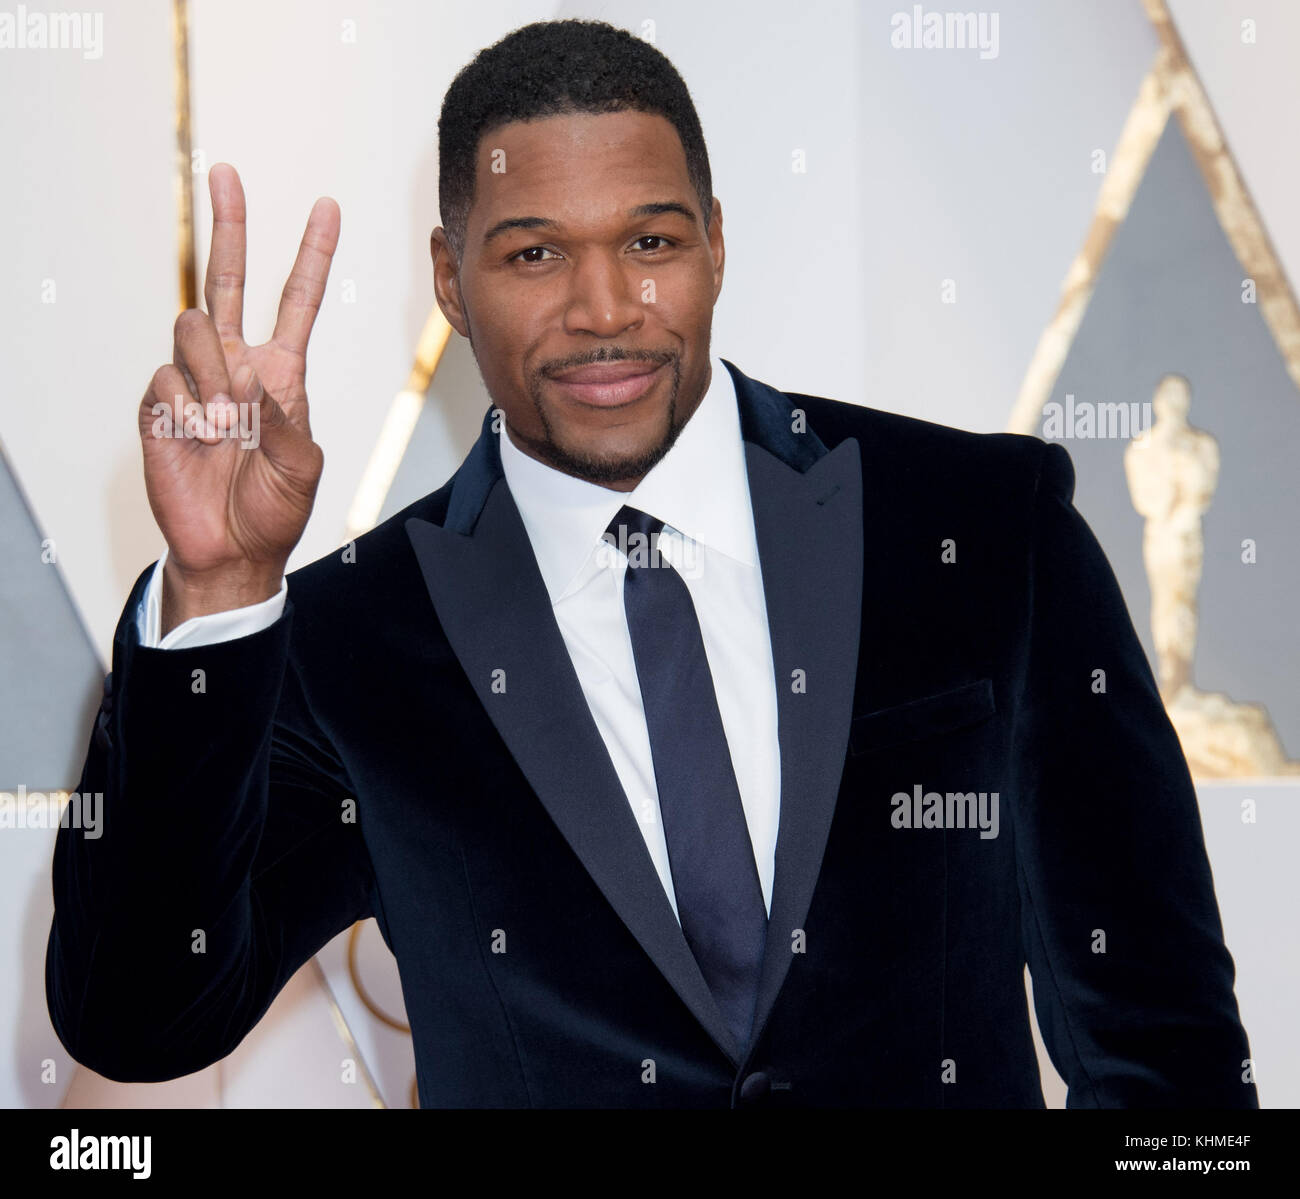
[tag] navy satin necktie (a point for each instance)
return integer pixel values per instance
(715, 880)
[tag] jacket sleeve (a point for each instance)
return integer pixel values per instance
(1133, 985)
(228, 852)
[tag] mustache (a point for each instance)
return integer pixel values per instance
(607, 354)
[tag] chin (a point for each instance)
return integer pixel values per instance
(612, 462)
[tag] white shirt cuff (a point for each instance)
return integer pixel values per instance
(203, 630)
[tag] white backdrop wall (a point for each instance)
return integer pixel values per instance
(921, 167)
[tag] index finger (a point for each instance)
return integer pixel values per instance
(223, 287)
(305, 288)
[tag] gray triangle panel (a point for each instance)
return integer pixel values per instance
(1169, 300)
(52, 677)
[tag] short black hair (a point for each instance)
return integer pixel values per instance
(553, 68)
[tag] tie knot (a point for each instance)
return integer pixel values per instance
(636, 535)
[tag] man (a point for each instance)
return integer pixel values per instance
(695, 745)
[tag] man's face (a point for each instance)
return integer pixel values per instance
(587, 305)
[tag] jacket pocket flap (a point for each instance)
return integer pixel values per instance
(925, 717)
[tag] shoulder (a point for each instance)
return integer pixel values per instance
(371, 571)
(909, 454)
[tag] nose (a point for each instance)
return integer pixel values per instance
(604, 297)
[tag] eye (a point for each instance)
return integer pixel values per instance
(531, 250)
(655, 237)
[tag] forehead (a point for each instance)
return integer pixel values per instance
(584, 162)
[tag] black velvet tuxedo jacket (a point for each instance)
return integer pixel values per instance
(409, 741)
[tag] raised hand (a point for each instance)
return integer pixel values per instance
(230, 467)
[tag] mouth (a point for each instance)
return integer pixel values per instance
(608, 385)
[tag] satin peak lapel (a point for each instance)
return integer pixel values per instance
(807, 503)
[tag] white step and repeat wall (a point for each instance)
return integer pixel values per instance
(911, 264)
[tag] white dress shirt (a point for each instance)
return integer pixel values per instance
(700, 490)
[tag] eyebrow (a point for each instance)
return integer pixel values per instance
(659, 208)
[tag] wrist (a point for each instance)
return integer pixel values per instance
(186, 595)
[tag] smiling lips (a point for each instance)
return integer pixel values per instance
(608, 384)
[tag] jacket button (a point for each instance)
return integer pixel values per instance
(755, 1088)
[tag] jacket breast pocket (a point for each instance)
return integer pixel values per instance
(943, 712)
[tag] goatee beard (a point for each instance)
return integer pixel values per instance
(604, 471)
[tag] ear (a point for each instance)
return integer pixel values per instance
(716, 247)
(446, 281)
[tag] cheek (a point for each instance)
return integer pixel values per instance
(683, 299)
(504, 329)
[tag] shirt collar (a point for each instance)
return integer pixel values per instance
(700, 488)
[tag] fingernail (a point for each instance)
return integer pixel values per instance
(218, 409)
